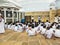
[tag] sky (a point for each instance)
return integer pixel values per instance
(33, 5)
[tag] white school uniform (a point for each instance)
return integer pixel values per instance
(57, 33)
(40, 28)
(16, 28)
(37, 29)
(6, 26)
(31, 32)
(20, 28)
(49, 33)
(2, 30)
(43, 31)
(12, 27)
(47, 24)
(9, 26)
(54, 26)
(24, 27)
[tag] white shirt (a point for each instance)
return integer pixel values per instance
(57, 33)
(6, 26)
(9, 26)
(49, 33)
(43, 31)
(2, 30)
(12, 27)
(47, 24)
(16, 28)
(31, 32)
(20, 28)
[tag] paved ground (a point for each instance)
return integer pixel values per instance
(16, 38)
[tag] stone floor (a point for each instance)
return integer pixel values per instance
(16, 38)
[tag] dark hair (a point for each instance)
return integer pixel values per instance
(44, 26)
(47, 21)
(48, 28)
(5, 23)
(58, 27)
(20, 24)
(29, 25)
(16, 25)
(13, 23)
(41, 24)
(32, 25)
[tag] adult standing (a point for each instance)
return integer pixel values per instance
(39, 19)
(32, 19)
(1, 24)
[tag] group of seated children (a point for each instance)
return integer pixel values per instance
(46, 29)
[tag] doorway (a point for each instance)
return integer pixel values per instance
(28, 18)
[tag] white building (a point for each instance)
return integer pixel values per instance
(10, 11)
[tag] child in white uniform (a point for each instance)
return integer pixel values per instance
(16, 28)
(57, 33)
(47, 24)
(49, 33)
(9, 26)
(43, 30)
(20, 28)
(30, 31)
(13, 26)
(6, 26)
(24, 26)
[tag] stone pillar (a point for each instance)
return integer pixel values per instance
(5, 14)
(23, 15)
(17, 15)
(12, 15)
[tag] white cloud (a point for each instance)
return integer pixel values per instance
(34, 5)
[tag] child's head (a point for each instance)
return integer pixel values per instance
(48, 28)
(32, 25)
(41, 24)
(16, 25)
(51, 26)
(29, 25)
(44, 26)
(58, 27)
(20, 24)
(13, 24)
(5, 23)
(47, 21)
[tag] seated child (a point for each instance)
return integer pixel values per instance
(48, 33)
(13, 26)
(43, 30)
(6, 26)
(9, 26)
(57, 33)
(30, 31)
(20, 28)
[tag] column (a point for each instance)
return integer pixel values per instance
(5, 14)
(12, 15)
(17, 15)
(23, 15)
